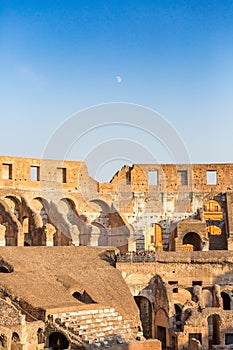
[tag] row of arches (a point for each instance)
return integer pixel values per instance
(156, 324)
(39, 222)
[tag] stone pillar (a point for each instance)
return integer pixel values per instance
(2, 236)
(74, 232)
(49, 232)
(95, 234)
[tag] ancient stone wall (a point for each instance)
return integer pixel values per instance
(190, 296)
(36, 193)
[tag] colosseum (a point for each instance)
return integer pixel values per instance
(141, 262)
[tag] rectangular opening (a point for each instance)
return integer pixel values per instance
(153, 178)
(228, 338)
(197, 336)
(211, 177)
(34, 173)
(6, 171)
(183, 177)
(161, 335)
(61, 175)
(152, 239)
(196, 283)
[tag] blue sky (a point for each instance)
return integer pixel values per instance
(59, 57)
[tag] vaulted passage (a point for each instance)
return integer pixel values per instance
(57, 341)
(193, 239)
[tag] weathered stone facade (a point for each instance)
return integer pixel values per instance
(65, 297)
(48, 202)
(187, 295)
(62, 297)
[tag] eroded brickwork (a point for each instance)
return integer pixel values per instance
(48, 202)
(184, 297)
(189, 295)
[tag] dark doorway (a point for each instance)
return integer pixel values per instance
(178, 317)
(193, 239)
(58, 341)
(145, 308)
(214, 330)
(226, 300)
(228, 338)
(161, 335)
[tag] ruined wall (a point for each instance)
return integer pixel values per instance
(36, 192)
(190, 295)
(15, 332)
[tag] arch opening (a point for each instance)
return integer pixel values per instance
(193, 239)
(57, 341)
(213, 330)
(226, 300)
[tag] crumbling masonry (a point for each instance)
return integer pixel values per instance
(181, 213)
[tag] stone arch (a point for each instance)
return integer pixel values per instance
(14, 204)
(145, 307)
(77, 224)
(190, 234)
(102, 234)
(214, 322)
(11, 228)
(69, 209)
(38, 213)
(193, 239)
(58, 341)
(41, 206)
(226, 299)
(105, 208)
(114, 224)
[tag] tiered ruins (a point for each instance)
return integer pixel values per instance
(181, 215)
